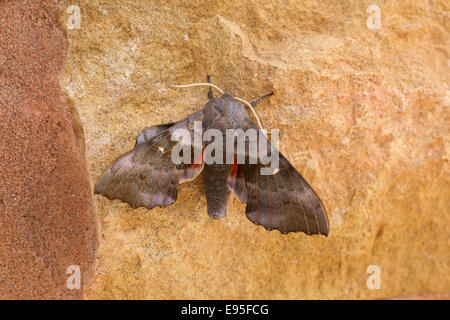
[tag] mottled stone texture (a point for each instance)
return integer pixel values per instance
(47, 221)
(363, 115)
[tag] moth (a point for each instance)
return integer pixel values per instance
(147, 176)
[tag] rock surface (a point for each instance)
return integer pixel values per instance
(363, 115)
(47, 218)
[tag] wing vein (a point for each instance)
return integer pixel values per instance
(281, 201)
(168, 185)
(140, 186)
(268, 202)
(257, 197)
(154, 188)
(312, 205)
(300, 203)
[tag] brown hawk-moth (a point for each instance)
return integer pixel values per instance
(147, 177)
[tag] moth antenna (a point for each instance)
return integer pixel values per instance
(202, 84)
(199, 84)
(254, 113)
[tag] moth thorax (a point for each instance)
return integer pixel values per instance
(224, 113)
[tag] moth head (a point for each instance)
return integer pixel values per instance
(223, 113)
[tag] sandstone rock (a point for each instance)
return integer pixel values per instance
(363, 115)
(47, 219)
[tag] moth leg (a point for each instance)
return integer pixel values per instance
(210, 94)
(254, 102)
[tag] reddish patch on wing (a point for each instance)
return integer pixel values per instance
(194, 169)
(234, 170)
(236, 181)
